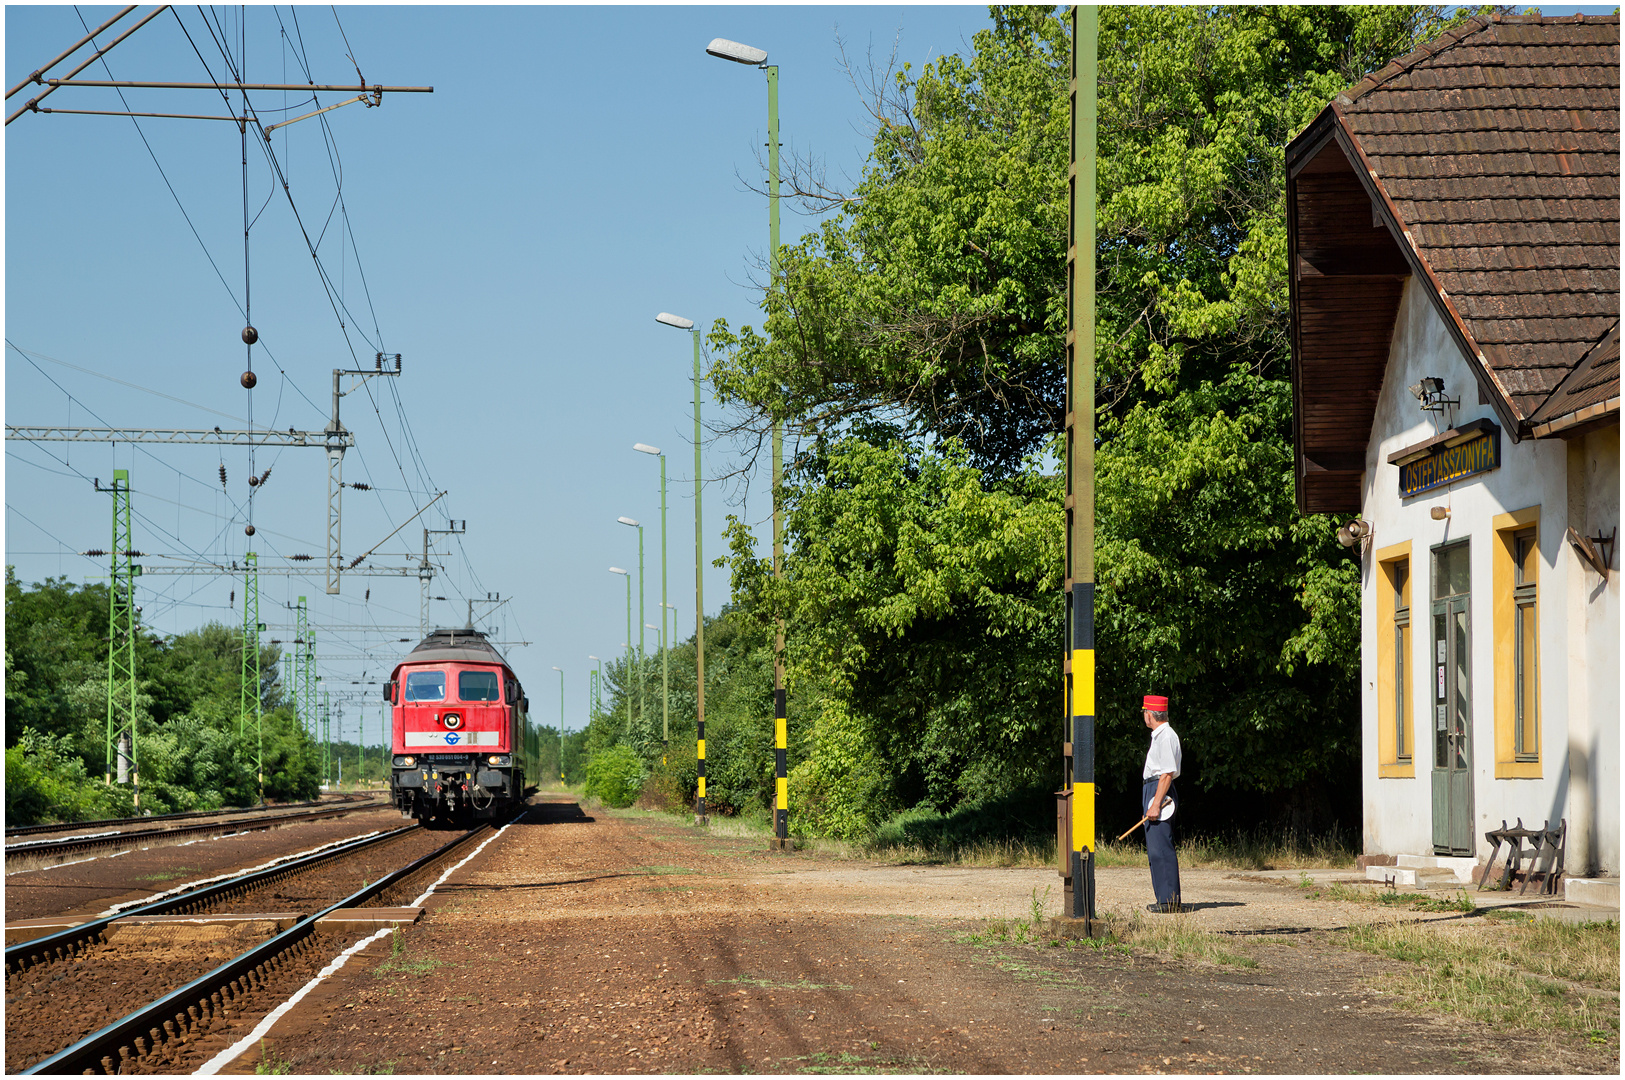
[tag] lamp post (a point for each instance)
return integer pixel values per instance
(595, 697)
(643, 707)
(561, 720)
(699, 577)
(665, 666)
(724, 49)
(628, 577)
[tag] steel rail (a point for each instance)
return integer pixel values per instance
(25, 830)
(87, 843)
(43, 949)
(101, 1050)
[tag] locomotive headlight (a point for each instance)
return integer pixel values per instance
(407, 761)
(499, 759)
(452, 720)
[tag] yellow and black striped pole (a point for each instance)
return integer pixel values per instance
(1080, 473)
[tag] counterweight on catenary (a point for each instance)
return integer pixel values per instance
(458, 727)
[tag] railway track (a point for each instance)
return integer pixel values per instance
(49, 852)
(59, 987)
(115, 823)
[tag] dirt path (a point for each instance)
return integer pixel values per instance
(627, 945)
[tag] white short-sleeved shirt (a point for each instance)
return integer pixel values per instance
(1164, 755)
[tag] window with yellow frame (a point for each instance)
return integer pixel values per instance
(1395, 681)
(1516, 580)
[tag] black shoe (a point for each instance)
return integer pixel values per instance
(1173, 907)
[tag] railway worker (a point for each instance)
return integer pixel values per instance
(1158, 800)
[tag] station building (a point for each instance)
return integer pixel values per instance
(1453, 237)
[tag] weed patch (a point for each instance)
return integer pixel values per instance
(1544, 975)
(1179, 936)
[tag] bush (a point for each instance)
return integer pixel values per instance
(615, 776)
(46, 781)
(1026, 816)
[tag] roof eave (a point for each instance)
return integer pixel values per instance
(1497, 396)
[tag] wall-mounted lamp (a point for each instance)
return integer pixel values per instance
(1430, 393)
(1439, 513)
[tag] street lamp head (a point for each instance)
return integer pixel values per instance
(650, 626)
(645, 448)
(616, 570)
(630, 521)
(592, 657)
(732, 50)
(675, 320)
(558, 669)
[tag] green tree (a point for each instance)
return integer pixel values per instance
(931, 305)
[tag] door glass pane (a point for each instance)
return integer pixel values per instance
(1459, 707)
(1441, 737)
(1450, 571)
(1528, 684)
(1402, 750)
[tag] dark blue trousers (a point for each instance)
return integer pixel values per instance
(1159, 844)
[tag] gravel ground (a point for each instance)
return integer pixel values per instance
(631, 944)
(89, 888)
(50, 1006)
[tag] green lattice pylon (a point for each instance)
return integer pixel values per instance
(250, 712)
(121, 683)
(326, 720)
(302, 670)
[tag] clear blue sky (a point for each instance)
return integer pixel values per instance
(575, 171)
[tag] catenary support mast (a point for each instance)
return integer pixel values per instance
(1080, 473)
(121, 629)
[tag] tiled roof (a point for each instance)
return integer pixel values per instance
(1594, 380)
(1498, 145)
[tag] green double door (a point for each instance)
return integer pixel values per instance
(1452, 702)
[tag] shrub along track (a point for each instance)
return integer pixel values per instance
(64, 987)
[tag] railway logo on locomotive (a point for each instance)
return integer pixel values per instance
(450, 738)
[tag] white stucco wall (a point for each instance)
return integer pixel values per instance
(1398, 811)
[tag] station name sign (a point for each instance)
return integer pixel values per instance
(1448, 457)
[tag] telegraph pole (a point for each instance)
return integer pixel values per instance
(1079, 660)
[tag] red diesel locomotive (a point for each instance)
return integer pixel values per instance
(459, 724)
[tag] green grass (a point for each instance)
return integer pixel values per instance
(170, 875)
(1179, 936)
(269, 1064)
(1543, 975)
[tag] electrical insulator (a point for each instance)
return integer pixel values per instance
(264, 476)
(222, 474)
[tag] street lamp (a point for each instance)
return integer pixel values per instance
(628, 577)
(643, 707)
(745, 54)
(665, 667)
(681, 323)
(595, 696)
(561, 721)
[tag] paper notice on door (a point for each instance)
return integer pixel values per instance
(1441, 682)
(1440, 712)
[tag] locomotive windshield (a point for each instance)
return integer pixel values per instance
(477, 686)
(426, 686)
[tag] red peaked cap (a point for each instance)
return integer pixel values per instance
(1156, 704)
